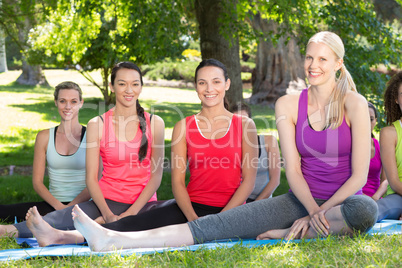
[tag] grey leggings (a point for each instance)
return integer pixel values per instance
(390, 207)
(252, 219)
(62, 219)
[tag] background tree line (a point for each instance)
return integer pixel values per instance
(92, 34)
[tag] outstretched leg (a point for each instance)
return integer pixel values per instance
(46, 234)
(102, 239)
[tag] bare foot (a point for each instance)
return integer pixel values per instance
(44, 233)
(8, 230)
(97, 237)
(273, 234)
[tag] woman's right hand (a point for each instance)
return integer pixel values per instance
(319, 223)
(111, 218)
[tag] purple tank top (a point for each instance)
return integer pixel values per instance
(325, 155)
(374, 174)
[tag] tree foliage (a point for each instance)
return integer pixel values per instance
(97, 34)
(17, 17)
(369, 41)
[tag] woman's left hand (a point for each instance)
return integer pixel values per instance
(319, 223)
(298, 229)
(100, 220)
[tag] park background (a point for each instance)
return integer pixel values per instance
(44, 42)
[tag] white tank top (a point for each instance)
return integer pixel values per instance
(66, 172)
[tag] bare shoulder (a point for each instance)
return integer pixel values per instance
(95, 127)
(180, 124)
(288, 100)
(388, 138)
(179, 130)
(42, 137)
(286, 108)
(95, 121)
(157, 122)
(388, 132)
(354, 100)
(247, 123)
(270, 140)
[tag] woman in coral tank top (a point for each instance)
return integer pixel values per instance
(129, 144)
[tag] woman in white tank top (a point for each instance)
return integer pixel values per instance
(62, 150)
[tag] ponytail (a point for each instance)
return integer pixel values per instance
(226, 103)
(142, 152)
(336, 109)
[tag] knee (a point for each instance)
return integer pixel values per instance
(360, 212)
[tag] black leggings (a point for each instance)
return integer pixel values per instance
(10, 212)
(168, 215)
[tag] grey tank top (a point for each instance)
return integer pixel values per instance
(262, 178)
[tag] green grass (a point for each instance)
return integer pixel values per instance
(18, 189)
(380, 251)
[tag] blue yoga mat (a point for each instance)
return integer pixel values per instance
(386, 227)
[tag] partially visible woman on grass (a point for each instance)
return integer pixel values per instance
(376, 184)
(129, 145)
(221, 151)
(268, 167)
(324, 134)
(390, 207)
(62, 148)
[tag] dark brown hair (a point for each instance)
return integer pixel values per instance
(241, 106)
(142, 152)
(391, 108)
(370, 105)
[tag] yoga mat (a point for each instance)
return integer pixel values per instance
(385, 227)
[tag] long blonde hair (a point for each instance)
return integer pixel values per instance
(344, 82)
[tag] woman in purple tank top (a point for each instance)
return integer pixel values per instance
(325, 139)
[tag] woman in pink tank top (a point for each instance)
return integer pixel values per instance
(377, 182)
(128, 146)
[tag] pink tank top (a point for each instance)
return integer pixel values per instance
(124, 176)
(325, 155)
(374, 174)
(215, 164)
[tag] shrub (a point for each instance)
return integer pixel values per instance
(171, 70)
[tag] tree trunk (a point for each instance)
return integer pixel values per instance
(388, 10)
(108, 95)
(31, 75)
(3, 61)
(279, 67)
(214, 45)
